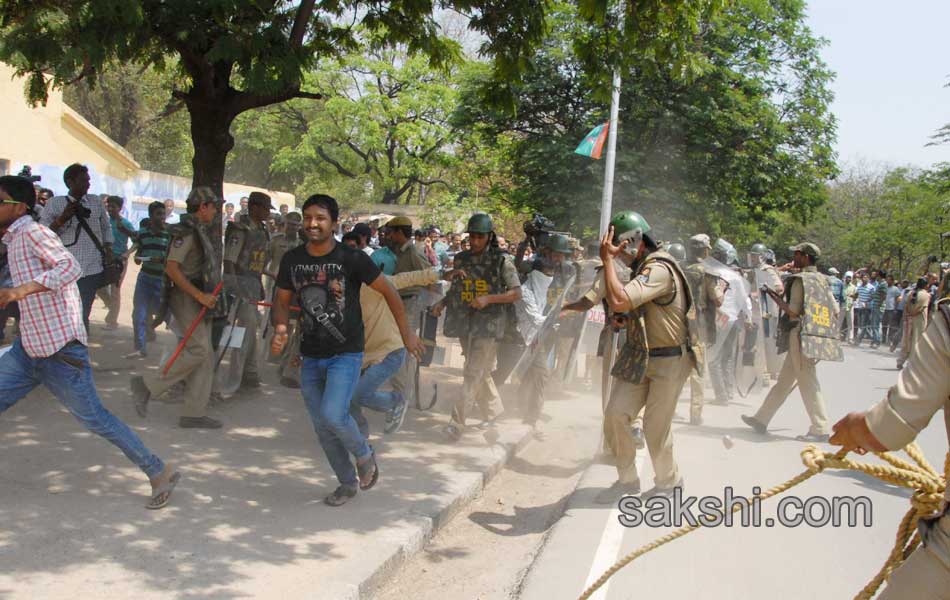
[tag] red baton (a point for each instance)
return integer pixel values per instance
(191, 330)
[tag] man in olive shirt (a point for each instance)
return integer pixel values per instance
(191, 267)
(409, 258)
(922, 389)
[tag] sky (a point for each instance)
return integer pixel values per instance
(892, 61)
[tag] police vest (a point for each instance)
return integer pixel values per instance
(483, 277)
(634, 356)
(818, 334)
(253, 255)
(705, 311)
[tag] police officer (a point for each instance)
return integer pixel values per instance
(484, 281)
(707, 298)
(767, 312)
(246, 246)
(284, 240)
(677, 251)
(194, 269)
(554, 268)
(922, 389)
(734, 315)
(806, 330)
(656, 358)
(409, 258)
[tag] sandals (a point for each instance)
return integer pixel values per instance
(163, 494)
(340, 496)
(363, 470)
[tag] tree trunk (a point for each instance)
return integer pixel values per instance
(212, 140)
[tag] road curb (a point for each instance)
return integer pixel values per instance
(425, 524)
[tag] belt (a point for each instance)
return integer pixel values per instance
(666, 351)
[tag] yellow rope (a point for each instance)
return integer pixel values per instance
(919, 476)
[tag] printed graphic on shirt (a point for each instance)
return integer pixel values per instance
(473, 288)
(322, 296)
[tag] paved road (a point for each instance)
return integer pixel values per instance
(738, 562)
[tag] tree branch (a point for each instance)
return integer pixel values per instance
(335, 164)
(299, 29)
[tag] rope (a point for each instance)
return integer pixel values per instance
(920, 476)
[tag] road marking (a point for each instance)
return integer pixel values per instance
(611, 541)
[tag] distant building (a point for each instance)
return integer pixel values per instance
(51, 137)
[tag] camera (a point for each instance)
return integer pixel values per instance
(27, 173)
(81, 211)
(538, 224)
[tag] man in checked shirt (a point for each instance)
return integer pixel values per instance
(51, 349)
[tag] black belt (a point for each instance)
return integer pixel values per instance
(666, 351)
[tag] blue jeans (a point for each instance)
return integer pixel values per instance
(67, 374)
(872, 325)
(366, 394)
(87, 293)
(329, 408)
(145, 303)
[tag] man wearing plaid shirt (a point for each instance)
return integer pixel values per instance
(51, 349)
(60, 216)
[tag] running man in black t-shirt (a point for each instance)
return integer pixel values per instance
(326, 277)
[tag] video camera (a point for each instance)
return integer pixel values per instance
(538, 227)
(27, 173)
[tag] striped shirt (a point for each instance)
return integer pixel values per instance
(152, 245)
(48, 320)
(864, 295)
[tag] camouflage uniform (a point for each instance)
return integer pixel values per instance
(246, 246)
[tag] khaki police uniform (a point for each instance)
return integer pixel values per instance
(246, 246)
(664, 298)
(408, 259)
(480, 332)
(707, 297)
(799, 369)
(195, 364)
(923, 388)
(915, 316)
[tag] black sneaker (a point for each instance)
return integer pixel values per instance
(754, 424)
(668, 492)
(140, 395)
(396, 416)
(616, 491)
(199, 423)
(251, 382)
(340, 495)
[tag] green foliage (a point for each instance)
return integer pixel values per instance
(742, 139)
(889, 219)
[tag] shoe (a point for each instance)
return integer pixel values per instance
(638, 438)
(818, 438)
(616, 491)
(754, 424)
(215, 399)
(397, 415)
(657, 492)
(251, 382)
(900, 365)
(136, 355)
(340, 495)
(199, 423)
(696, 421)
(140, 395)
(368, 468)
(290, 383)
(110, 326)
(453, 432)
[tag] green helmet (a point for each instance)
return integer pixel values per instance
(557, 242)
(629, 225)
(760, 249)
(677, 251)
(479, 223)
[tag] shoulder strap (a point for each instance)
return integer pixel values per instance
(92, 236)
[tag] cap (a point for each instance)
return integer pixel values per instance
(849, 274)
(806, 248)
(833, 271)
(20, 189)
(400, 221)
(201, 195)
(434, 230)
(293, 216)
(701, 240)
(259, 199)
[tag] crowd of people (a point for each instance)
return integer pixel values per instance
(342, 308)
